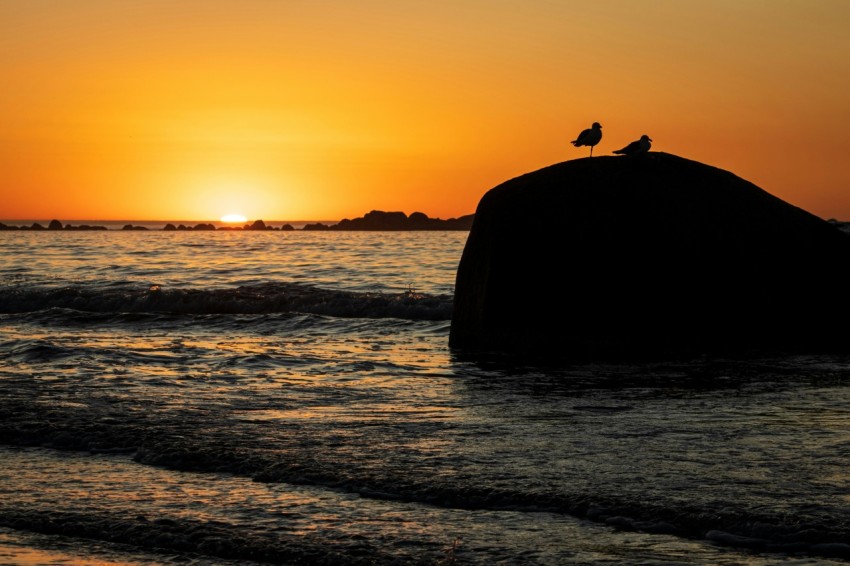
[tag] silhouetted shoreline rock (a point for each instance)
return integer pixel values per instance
(376, 220)
(385, 221)
(54, 225)
(380, 221)
(316, 226)
(657, 256)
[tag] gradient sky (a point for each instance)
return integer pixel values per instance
(284, 110)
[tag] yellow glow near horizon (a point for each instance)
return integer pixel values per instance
(326, 110)
(234, 218)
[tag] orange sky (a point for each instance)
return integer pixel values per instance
(285, 110)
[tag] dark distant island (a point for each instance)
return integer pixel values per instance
(376, 220)
(380, 220)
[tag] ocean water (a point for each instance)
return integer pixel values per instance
(290, 398)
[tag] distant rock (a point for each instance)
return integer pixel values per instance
(83, 227)
(258, 225)
(394, 221)
(375, 220)
(613, 257)
(317, 226)
(131, 227)
(54, 225)
(182, 227)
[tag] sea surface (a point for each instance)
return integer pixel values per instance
(290, 398)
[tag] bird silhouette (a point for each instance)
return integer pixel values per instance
(589, 137)
(636, 147)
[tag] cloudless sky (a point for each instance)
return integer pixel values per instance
(285, 110)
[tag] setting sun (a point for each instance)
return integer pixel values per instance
(233, 218)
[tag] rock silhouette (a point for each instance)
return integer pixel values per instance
(380, 220)
(657, 256)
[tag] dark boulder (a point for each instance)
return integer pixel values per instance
(654, 255)
(54, 225)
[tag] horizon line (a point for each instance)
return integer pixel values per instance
(215, 221)
(218, 221)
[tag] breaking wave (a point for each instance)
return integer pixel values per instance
(260, 298)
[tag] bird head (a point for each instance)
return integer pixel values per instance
(597, 125)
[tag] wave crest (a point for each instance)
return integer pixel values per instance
(248, 299)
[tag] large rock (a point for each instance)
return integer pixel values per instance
(611, 256)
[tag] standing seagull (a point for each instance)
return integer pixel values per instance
(636, 147)
(589, 137)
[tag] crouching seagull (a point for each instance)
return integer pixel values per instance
(636, 147)
(589, 137)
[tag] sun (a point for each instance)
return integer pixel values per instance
(233, 218)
